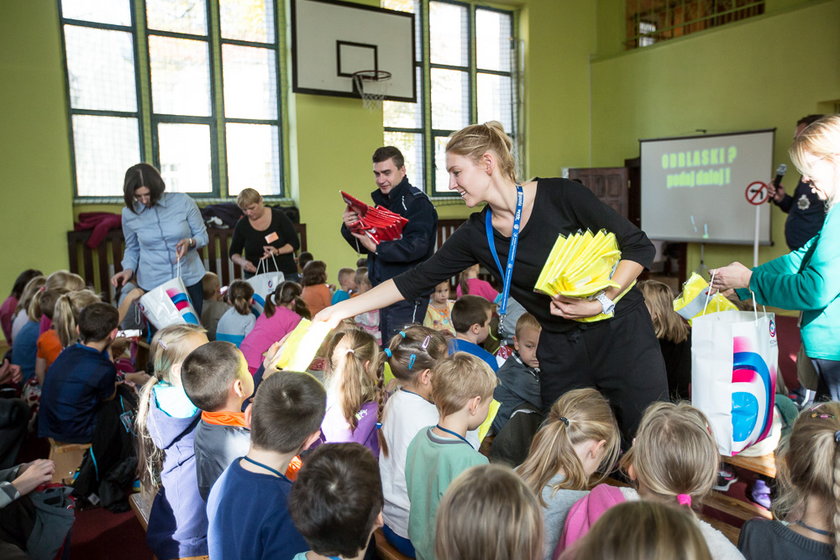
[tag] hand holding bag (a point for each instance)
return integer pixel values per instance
(169, 304)
(264, 284)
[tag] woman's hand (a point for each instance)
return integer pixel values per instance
(269, 251)
(732, 276)
(182, 247)
(10, 373)
(574, 308)
(32, 475)
(329, 315)
(121, 278)
(248, 266)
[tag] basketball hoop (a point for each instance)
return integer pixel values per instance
(371, 85)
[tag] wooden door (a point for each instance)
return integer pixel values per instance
(610, 185)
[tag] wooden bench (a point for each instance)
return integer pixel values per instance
(385, 550)
(763, 465)
(141, 507)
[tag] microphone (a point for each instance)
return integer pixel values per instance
(780, 172)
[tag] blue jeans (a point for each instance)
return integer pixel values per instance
(402, 545)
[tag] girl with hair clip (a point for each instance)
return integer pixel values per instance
(488, 512)
(355, 390)
(579, 437)
(512, 236)
(411, 355)
(166, 420)
(239, 320)
(283, 310)
(639, 530)
(807, 508)
(674, 336)
(673, 461)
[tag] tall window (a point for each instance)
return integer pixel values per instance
(190, 85)
(466, 70)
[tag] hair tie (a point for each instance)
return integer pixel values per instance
(837, 436)
(43, 288)
(411, 360)
(162, 344)
(379, 425)
(388, 352)
(565, 420)
(684, 500)
(426, 341)
(402, 334)
(350, 351)
(823, 415)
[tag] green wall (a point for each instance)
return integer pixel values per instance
(765, 72)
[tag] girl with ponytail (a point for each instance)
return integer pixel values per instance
(283, 310)
(166, 420)
(355, 390)
(579, 437)
(63, 311)
(239, 320)
(807, 507)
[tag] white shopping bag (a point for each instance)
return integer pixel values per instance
(734, 358)
(169, 304)
(264, 284)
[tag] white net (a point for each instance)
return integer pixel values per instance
(372, 87)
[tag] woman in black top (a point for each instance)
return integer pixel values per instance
(619, 356)
(265, 234)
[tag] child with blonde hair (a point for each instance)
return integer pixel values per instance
(488, 512)
(61, 281)
(462, 390)
(638, 530)
(807, 507)
(673, 460)
(674, 336)
(411, 355)
(355, 390)
(166, 422)
(579, 437)
(238, 321)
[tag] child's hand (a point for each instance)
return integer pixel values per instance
(138, 378)
(10, 373)
(272, 355)
(32, 475)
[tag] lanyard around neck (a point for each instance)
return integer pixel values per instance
(507, 272)
(266, 467)
(456, 434)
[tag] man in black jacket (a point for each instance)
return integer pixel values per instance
(390, 258)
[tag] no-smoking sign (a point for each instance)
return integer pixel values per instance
(757, 193)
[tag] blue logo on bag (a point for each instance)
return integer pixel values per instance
(772, 328)
(750, 368)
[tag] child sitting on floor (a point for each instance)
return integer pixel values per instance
(336, 502)
(488, 512)
(216, 379)
(471, 317)
(346, 285)
(80, 379)
(355, 392)
(248, 507)
(519, 376)
(411, 355)
(238, 321)
(214, 304)
(470, 283)
(439, 312)
(579, 438)
(807, 505)
(10, 304)
(462, 389)
(166, 422)
(283, 311)
(25, 330)
(316, 292)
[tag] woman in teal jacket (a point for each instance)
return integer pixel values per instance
(807, 279)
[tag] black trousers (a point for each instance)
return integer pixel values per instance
(620, 357)
(393, 318)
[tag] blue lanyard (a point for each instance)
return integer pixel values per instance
(266, 467)
(506, 273)
(456, 434)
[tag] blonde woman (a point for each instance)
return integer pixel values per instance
(674, 336)
(263, 234)
(620, 356)
(488, 512)
(806, 279)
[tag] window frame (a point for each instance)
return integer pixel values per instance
(148, 120)
(429, 134)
